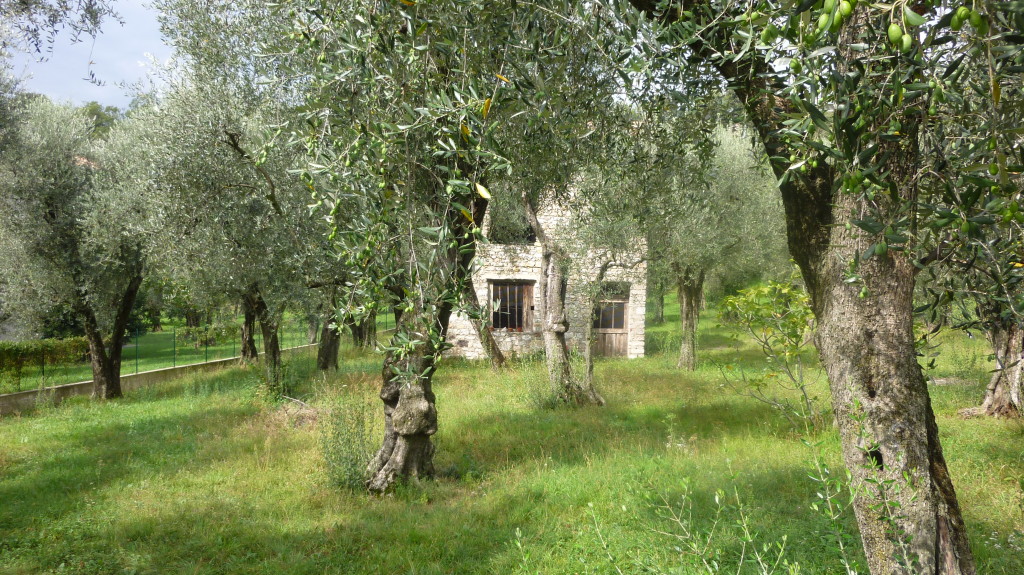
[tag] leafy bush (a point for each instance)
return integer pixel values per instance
(779, 318)
(207, 335)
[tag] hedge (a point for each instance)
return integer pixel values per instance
(14, 355)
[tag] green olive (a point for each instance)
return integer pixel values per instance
(823, 21)
(906, 43)
(837, 23)
(845, 8)
(895, 33)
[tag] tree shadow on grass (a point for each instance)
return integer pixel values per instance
(571, 436)
(115, 443)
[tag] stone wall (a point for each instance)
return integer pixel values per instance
(500, 262)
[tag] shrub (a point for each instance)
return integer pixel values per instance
(779, 318)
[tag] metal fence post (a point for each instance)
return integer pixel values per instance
(207, 358)
(174, 347)
(136, 350)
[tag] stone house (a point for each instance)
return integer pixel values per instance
(505, 277)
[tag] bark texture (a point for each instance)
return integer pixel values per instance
(269, 322)
(249, 352)
(364, 332)
(1003, 395)
(410, 417)
(312, 330)
(330, 345)
(552, 287)
(690, 292)
(656, 297)
(906, 507)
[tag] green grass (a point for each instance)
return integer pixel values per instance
(201, 476)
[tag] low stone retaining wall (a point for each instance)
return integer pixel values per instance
(11, 403)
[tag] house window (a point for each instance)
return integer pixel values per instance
(511, 304)
(610, 315)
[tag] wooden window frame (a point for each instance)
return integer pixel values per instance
(501, 291)
(596, 325)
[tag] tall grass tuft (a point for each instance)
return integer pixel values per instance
(345, 440)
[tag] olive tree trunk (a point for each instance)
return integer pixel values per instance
(249, 352)
(269, 323)
(690, 292)
(106, 362)
(364, 331)
(656, 303)
(330, 343)
(410, 415)
(1003, 395)
(906, 508)
(552, 287)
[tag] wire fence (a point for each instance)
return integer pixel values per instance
(147, 351)
(171, 347)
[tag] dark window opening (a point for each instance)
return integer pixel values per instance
(610, 315)
(511, 303)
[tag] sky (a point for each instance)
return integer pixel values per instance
(118, 55)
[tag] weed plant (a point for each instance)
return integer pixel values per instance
(346, 438)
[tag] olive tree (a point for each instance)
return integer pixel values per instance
(838, 94)
(225, 198)
(72, 217)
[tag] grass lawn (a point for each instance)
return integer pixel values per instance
(201, 476)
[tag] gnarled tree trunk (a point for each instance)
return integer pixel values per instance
(1003, 395)
(327, 352)
(410, 416)
(269, 323)
(312, 329)
(552, 286)
(364, 332)
(906, 508)
(690, 292)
